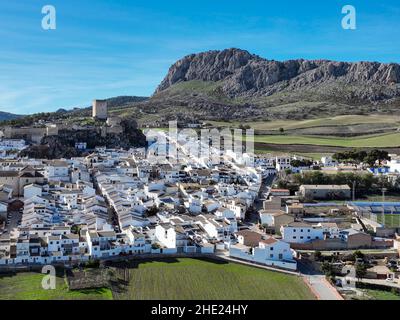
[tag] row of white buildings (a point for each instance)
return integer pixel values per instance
(115, 203)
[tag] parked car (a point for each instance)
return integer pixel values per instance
(392, 264)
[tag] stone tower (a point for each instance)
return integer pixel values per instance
(99, 109)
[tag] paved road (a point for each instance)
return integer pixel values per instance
(318, 283)
(382, 282)
(322, 288)
(11, 227)
(251, 222)
(258, 204)
(265, 187)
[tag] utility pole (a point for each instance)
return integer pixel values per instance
(392, 225)
(383, 206)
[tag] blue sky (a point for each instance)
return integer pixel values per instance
(104, 48)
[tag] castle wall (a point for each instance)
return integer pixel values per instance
(34, 134)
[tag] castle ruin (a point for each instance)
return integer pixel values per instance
(99, 109)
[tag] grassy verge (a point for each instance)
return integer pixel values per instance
(382, 295)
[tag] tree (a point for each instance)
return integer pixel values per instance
(379, 155)
(361, 270)
(288, 171)
(327, 268)
(244, 127)
(370, 160)
(365, 182)
(318, 255)
(151, 211)
(301, 163)
(281, 130)
(362, 156)
(76, 229)
(358, 255)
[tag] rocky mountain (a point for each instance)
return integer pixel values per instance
(234, 84)
(248, 75)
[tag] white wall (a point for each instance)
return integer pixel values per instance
(31, 191)
(301, 234)
(166, 237)
(259, 257)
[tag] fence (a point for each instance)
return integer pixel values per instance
(388, 220)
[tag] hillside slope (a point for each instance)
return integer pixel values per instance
(8, 116)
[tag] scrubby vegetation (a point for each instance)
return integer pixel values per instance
(357, 156)
(366, 183)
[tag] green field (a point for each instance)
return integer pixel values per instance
(198, 279)
(351, 131)
(391, 220)
(27, 286)
(321, 136)
(320, 122)
(172, 279)
(389, 196)
(381, 140)
(382, 295)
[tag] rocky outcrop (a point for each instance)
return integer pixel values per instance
(245, 74)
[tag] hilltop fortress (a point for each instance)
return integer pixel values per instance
(59, 139)
(36, 132)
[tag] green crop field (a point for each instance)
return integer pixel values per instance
(199, 279)
(310, 123)
(170, 279)
(27, 286)
(381, 140)
(322, 134)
